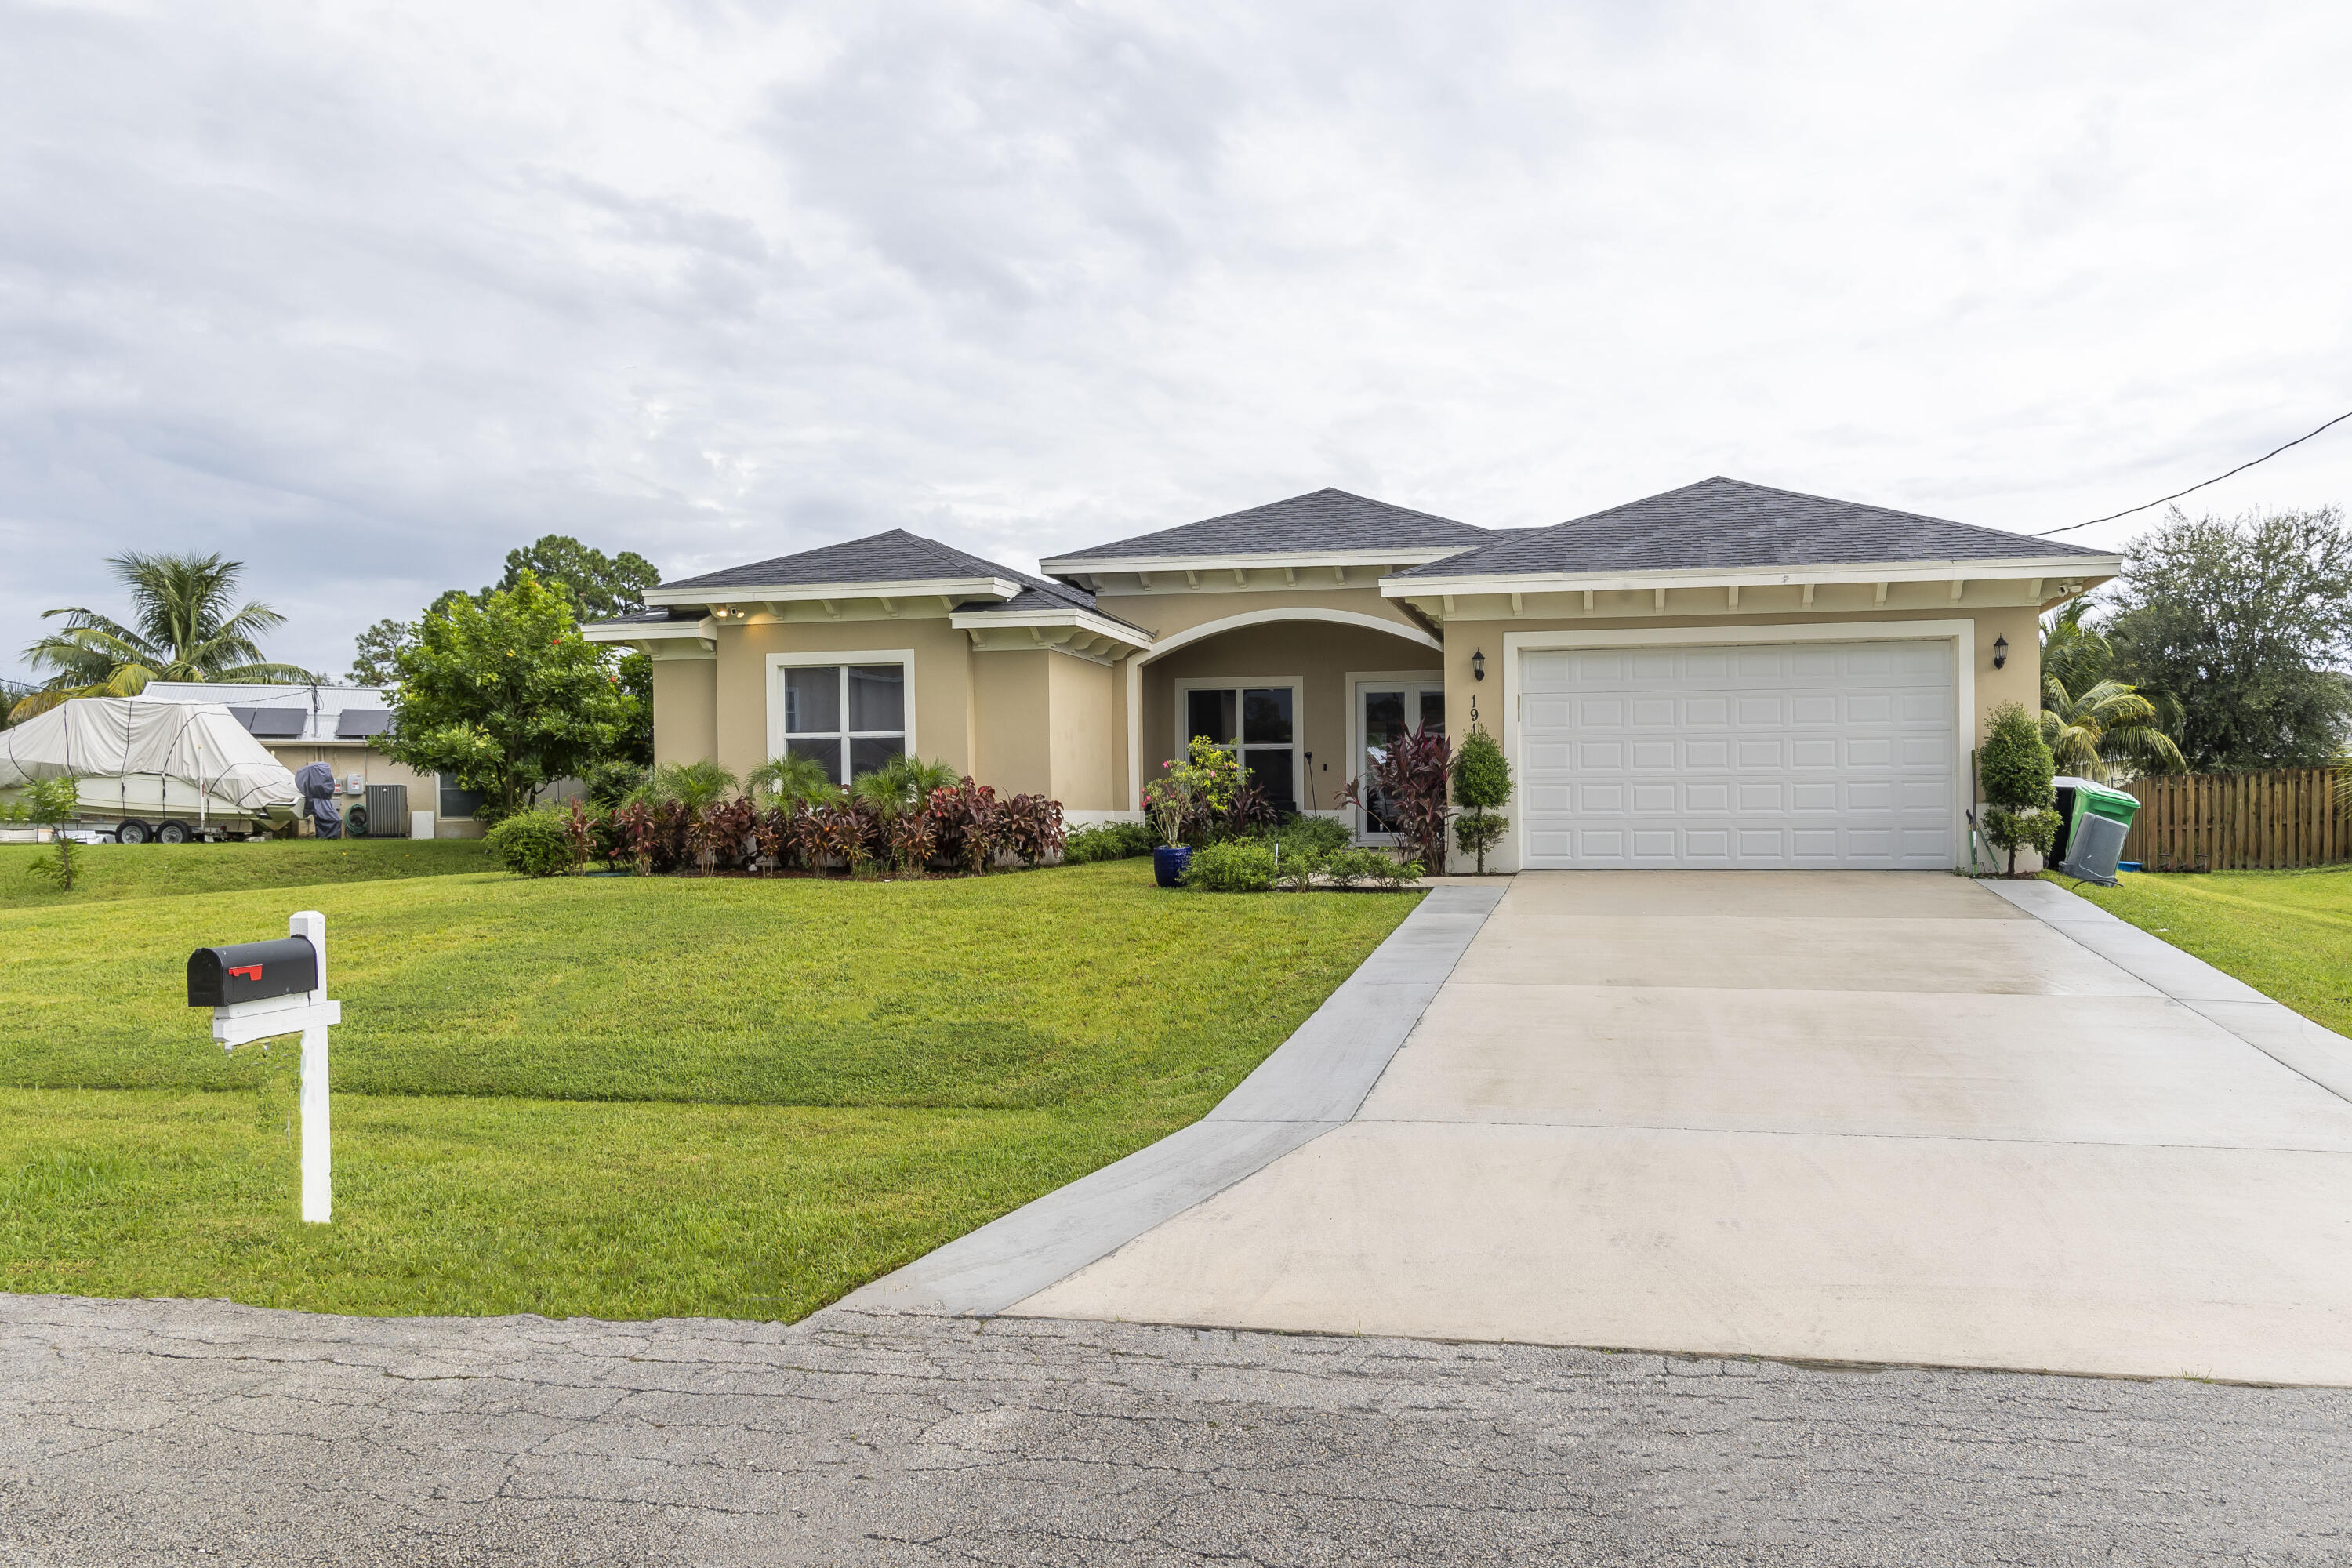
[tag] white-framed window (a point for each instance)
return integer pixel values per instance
(849, 712)
(1262, 717)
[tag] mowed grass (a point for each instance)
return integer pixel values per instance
(156, 870)
(2288, 934)
(623, 1097)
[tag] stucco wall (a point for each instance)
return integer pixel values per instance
(2018, 681)
(1086, 737)
(686, 710)
(942, 703)
(1016, 714)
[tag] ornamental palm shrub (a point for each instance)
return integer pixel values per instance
(901, 785)
(1482, 779)
(791, 781)
(2015, 769)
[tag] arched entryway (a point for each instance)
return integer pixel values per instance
(1298, 689)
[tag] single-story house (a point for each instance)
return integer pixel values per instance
(332, 724)
(1725, 675)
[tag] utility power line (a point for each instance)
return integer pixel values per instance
(2216, 480)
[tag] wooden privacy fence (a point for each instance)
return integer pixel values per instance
(2238, 821)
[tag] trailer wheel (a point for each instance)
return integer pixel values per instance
(172, 833)
(134, 833)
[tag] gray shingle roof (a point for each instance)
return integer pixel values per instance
(1721, 522)
(895, 556)
(1324, 520)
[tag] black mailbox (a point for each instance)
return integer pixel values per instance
(251, 971)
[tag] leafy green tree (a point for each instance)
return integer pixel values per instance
(2247, 622)
(1482, 780)
(636, 677)
(378, 651)
(600, 586)
(182, 627)
(506, 694)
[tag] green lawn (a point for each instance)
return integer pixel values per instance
(2288, 934)
(150, 871)
(623, 1097)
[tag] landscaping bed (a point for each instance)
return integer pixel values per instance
(2288, 934)
(630, 1096)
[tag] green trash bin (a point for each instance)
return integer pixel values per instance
(2093, 823)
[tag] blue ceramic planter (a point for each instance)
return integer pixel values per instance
(1168, 863)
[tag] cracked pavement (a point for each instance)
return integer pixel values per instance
(136, 1432)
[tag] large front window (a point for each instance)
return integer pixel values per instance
(848, 718)
(1261, 721)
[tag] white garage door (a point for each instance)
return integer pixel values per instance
(1786, 754)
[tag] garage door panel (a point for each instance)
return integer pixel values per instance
(1808, 755)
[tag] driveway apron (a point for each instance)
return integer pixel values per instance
(1845, 1117)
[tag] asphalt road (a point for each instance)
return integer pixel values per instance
(196, 1432)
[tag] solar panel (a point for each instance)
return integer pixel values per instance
(357, 723)
(274, 723)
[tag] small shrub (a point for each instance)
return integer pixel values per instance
(1294, 866)
(1409, 776)
(2015, 831)
(1312, 835)
(1476, 834)
(964, 818)
(1236, 866)
(612, 782)
(2015, 766)
(1350, 866)
(53, 803)
(1105, 841)
(534, 843)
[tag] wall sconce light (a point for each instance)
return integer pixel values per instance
(2000, 652)
(1478, 665)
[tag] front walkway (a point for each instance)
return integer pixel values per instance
(1862, 1117)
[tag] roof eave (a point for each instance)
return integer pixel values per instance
(958, 588)
(2065, 567)
(1413, 555)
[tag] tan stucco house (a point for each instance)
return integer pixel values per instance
(1725, 675)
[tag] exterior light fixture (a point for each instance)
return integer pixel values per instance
(1478, 665)
(2000, 652)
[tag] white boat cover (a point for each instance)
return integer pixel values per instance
(134, 757)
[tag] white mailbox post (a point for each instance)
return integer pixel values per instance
(260, 990)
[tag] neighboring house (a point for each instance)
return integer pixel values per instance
(1725, 675)
(331, 724)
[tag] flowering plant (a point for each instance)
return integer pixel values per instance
(1193, 791)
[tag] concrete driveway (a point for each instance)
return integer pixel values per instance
(1876, 1118)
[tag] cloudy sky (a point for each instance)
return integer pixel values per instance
(363, 296)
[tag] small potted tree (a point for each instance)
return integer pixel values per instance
(1482, 780)
(2016, 770)
(1187, 799)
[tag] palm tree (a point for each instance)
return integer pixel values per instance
(2109, 729)
(901, 785)
(181, 628)
(794, 781)
(2077, 654)
(696, 786)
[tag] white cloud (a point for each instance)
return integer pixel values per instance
(364, 296)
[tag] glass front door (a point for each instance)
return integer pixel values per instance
(1386, 711)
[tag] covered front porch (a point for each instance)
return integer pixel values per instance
(1302, 693)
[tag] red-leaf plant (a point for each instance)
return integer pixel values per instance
(1410, 776)
(963, 816)
(1029, 826)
